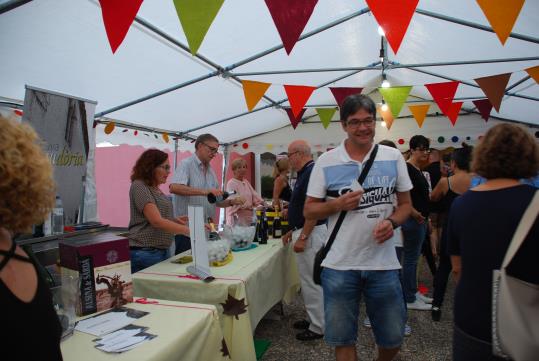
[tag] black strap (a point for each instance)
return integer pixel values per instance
(11, 254)
(360, 180)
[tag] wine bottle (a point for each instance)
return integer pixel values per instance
(277, 228)
(263, 238)
(214, 236)
(212, 198)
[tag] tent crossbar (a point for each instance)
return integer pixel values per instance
(471, 84)
(474, 25)
(128, 125)
(518, 83)
(279, 102)
(297, 71)
(304, 36)
(12, 4)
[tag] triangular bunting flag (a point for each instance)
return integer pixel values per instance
(290, 18)
(534, 73)
(386, 116)
(196, 17)
(341, 93)
(294, 120)
(325, 115)
(494, 88)
(253, 91)
(502, 15)
(443, 93)
(419, 112)
(395, 97)
(118, 17)
(453, 112)
(394, 17)
(298, 96)
(484, 106)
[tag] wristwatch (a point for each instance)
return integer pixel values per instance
(393, 223)
(303, 237)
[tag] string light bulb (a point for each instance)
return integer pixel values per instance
(383, 124)
(381, 31)
(384, 106)
(385, 82)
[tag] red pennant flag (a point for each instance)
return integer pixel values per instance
(484, 106)
(294, 120)
(118, 17)
(393, 16)
(494, 88)
(298, 96)
(290, 18)
(453, 112)
(443, 94)
(342, 92)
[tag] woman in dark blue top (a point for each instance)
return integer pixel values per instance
(481, 225)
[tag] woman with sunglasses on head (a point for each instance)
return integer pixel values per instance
(152, 226)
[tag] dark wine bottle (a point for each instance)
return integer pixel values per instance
(277, 228)
(263, 238)
(212, 198)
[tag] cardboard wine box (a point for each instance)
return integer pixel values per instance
(102, 265)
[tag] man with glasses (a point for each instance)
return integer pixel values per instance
(308, 237)
(360, 261)
(193, 181)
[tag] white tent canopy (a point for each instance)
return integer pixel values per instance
(61, 45)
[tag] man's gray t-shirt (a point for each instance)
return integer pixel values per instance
(191, 172)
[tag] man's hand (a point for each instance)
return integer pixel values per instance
(284, 213)
(237, 201)
(183, 220)
(418, 217)
(383, 231)
(349, 201)
(300, 244)
(287, 237)
(216, 192)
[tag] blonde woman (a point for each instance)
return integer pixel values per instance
(281, 188)
(28, 190)
(242, 213)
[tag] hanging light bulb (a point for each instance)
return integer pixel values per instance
(381, 31)
(383, 124)
(384, 106)
(385, 82)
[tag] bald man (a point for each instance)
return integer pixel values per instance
(308, 237)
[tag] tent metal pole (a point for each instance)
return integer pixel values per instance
(471, 84)
(156, 94)
(304, 36)
(12, 4)
(299, 71)
(175, 153)
(474, 25)
(518, 83)
(395, 65)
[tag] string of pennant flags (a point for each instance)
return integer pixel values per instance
(394, 97)
(291, 16)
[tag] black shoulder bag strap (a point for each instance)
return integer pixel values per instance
(360, 180)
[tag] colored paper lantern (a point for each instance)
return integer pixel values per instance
(400, 141)
(245, 145)
(136, 132)
(454, 139)
(441, 139)
(468, 138)
(109, 128)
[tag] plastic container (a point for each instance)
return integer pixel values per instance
(239, 237)
(57, 217)
(218, 250)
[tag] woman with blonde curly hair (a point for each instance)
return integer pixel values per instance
(481, 224)
(27, 195)
(281, 188)
(243, 214)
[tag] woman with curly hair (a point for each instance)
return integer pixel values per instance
(152, 226)
(281, 188)
(481, 224)
(29, 320)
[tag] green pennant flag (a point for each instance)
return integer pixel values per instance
(196, 17)
(395, 97)
(325, 115)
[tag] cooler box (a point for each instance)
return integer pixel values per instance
(103, 267)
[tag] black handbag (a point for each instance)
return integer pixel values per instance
(322, 253)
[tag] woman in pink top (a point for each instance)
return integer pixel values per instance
(244, 212)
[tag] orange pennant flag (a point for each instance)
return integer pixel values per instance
(453, 112)
(419, 112)
(298, 96)
(502, 15)
(534, 73)
(165, 137)
(386, 116)
(253, 91)
(494, 88)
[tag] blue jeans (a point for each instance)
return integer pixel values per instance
(183, 243)
(414, 235)
(145, 257)
(383, 298)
